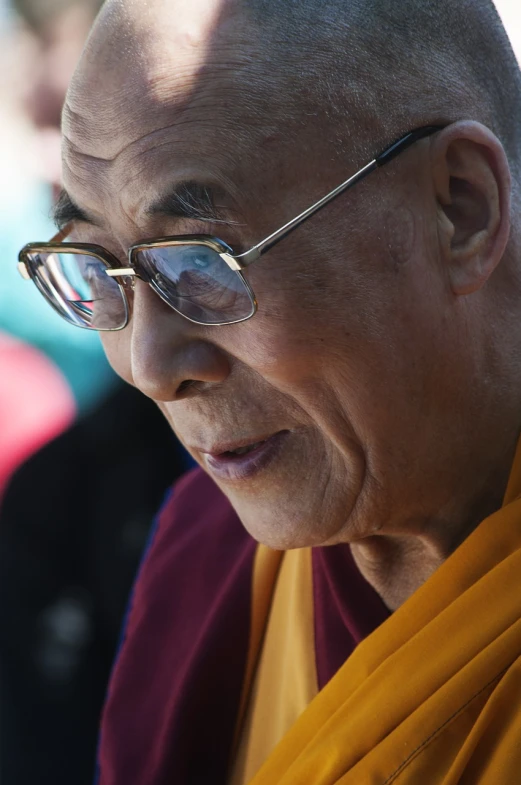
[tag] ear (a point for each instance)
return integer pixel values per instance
(473, 189)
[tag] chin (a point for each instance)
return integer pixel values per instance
(288, 527)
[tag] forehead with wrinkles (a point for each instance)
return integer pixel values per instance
(148, 67)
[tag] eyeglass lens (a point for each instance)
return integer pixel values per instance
(197, 282)
(78, 288)
(192, 279)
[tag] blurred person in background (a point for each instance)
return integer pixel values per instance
(28, 421)
(55, 32)
(41, 42)
(70, 535)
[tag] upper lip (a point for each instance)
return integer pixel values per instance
(219, 448)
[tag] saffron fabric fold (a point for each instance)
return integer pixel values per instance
(434, 694)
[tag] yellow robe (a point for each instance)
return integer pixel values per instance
(283, 679)
(433, 696)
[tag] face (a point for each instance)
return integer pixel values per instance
(321, 417)
(55, 52)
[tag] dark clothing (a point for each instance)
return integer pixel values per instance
(73, 524)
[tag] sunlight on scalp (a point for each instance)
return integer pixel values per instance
(140, 58)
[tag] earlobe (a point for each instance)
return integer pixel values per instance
(473, 189)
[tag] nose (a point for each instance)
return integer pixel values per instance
(168, 352)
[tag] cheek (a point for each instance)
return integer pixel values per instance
(282, 351)
(118, 350)
(401, 235)
(290, 334)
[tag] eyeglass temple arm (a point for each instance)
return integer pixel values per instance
(381, 160)
(254, 253)
(62, 234)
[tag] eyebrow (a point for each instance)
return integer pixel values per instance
(191, 200)
(185, 200)
(65, 211)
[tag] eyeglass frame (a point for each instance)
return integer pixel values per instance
(237, 263)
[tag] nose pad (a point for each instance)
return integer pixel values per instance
(139, 269)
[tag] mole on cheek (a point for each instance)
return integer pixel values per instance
(401, 232)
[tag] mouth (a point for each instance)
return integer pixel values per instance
(245, 460)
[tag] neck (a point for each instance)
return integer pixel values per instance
(397, 565)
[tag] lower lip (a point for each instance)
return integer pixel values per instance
(241, 467)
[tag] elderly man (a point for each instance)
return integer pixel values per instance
(347, 374)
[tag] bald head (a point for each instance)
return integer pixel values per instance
(392, 65)
(372, 68)
(140, 58)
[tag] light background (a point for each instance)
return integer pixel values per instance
(510, 11)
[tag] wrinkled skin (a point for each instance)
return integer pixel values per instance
(376, 343)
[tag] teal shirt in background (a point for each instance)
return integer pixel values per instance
(25, 314)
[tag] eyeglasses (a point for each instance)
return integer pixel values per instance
(198, 276)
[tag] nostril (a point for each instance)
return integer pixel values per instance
(166, 365)
(184, 386)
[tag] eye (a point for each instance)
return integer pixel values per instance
(201, 264)
(199, 258)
